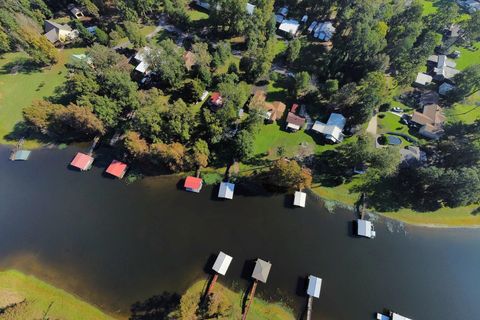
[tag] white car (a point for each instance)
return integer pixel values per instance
(397, 109)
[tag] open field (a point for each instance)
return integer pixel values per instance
(18, 90)
(42, 301)
(260, 309)
(468, 56)
(467, 112)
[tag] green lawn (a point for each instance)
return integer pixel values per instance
(40, 297)
(467, 112)
(428, 7)
(468, 56)
(19, 90)
(196, 15)
(260, 309)
(391, 123)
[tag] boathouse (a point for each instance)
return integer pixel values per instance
(391, 316)
(222, 263)
(314, 286)
(261, 270)
(300, 199)
(226, 190)
(193, 184)
(117, 169)
(82, 161)
(365, 229)
(20, 155)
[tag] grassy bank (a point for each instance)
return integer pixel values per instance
(19, 89)
(260, 309)
(41, 300)
(444, 217)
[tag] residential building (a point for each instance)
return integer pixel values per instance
(141, 57)
(294, 121)
(289, 26)
(444, 68)
(324, 31)
(333, 129)
(431, 121)
(445, 88)
(59, 33)
(423, 80)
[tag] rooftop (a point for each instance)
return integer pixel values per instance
(82, 161)
(261, 270)
(117, 169)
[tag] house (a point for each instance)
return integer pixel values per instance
(314, 286)
(429, 97)
(423, 80)
(76, 12)
(365, 229)
(141, 57)
(289, 26)
(445, 88)
(82, 161)
(222, 263)
(299, 199)
(261, 270)
(431, 121)
(324, 31)
(332, 130)
(226, 190)
(312, 26)
(193, 184)
(56, 32)
(412, 155)
(444, 68)
(294, 121)
(273, 110)
(189, 59)
(117, 169)
(216, 101)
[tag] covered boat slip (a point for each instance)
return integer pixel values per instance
(20, 155)
(391, 316)
(82, 161)
(365, 229)
(261, 270)
(226, 190)
(222, 263)
(314, 286)
(299, 199)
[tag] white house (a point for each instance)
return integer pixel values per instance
(289, 26)
(332, 130)
(142, 58)
(56, 32)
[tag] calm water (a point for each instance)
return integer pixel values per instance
(114, 244)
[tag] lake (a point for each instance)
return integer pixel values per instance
(114, 244)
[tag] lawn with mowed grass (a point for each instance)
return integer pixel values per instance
(18, 90)
(259, 310)
(42, 301)
(467, 112)
(389, 122)
(468, 56)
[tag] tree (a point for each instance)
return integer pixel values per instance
(172, 155)
(289, 174)
(167, 62)
(222, 53)
(466, 82)
(149, 121)
(242, 146)
(90, 7)
(118, 86)
(202, 55)
(39, 48)
(471, 28)
(446, 14)
(85, 35)
(102, 36)
(293, 50)
(76, 122)
(193, 90)
(134, 35)
(39, 115)
(135, 145)
(102, 57)
(229, 15)
(200, 153)
(177, 11)
(178, 123)
(302, 84)
(331, 87)
(107, 110)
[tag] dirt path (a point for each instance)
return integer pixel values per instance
(372, 126)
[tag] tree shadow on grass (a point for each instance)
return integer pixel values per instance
(155, 307)
(21, 130)
(23, 65)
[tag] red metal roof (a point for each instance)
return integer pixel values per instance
(82, 161)
(216, 98)
(294, 108)
(117, 169)
(193, 183)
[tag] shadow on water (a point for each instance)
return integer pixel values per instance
(156, 307)
(301, 291)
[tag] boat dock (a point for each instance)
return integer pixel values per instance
(260, 273)
(220, 267)
(313, 291)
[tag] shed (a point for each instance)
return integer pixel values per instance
(299, 199)
(21, 155)
(261, 270)
(226, 190)
(82, 161)
(365, 229)
(117, 169)
(314, 286)
(193, 184)
(222, 263)
(289, 26)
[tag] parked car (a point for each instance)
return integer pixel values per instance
(397, 109)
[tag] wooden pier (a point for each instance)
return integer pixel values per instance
(260, 273)
(250, 300)
(309, 307)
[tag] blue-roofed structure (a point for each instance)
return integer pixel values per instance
(20, 155)
(226, 190)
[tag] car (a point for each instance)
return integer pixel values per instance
(397, 109)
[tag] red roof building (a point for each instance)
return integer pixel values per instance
(117, 169)
(193, 184)
(294, 108)
(216, 101)
(82, 161)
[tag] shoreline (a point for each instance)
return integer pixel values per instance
(326, 200)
